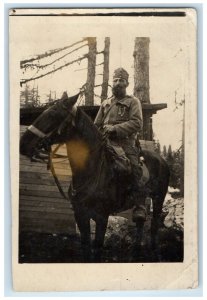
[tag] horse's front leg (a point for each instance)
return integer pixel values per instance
(156, 218)
(83, 222)
(101, 225)
(139, 216)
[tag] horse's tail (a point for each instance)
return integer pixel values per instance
(158, 169)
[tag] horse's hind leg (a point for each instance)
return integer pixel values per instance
(83, 223)
(139, 216)
(101, 225)
(156, 218)
(138, 249)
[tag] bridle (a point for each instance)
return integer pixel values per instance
(49, 156)
(45, 143)
(36, 131)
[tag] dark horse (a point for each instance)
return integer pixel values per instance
(96, 191)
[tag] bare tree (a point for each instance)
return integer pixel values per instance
(141, 69)
(29, 62)
(89, 95)
(23, 81)
(105, 83)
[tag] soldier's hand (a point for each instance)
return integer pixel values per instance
(110, 130)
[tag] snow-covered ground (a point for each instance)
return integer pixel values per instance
(175, 209)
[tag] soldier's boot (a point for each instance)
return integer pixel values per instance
(138, 190)
(139, 213)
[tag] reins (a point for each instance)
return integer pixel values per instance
(50, 166)
(78, 189)
(83, 187)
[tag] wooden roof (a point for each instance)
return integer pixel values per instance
(153, 108)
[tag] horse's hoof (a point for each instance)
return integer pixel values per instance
(139, 215)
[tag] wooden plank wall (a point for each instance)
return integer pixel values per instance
(41, 206)
(148, 145)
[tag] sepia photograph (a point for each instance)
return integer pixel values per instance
(103, 114)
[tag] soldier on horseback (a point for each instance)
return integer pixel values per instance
(121, 118)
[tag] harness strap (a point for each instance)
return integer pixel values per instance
(36, 131)
(52, 169)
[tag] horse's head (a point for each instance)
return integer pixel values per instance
(50, 123)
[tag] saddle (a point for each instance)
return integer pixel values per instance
(121, 164)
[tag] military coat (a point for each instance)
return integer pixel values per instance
(125, 115)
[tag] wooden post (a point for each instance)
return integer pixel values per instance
(147, 127)
(104, 92)
(141, 69)
(89, 95)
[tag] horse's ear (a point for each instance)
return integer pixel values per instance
(69, 101)
(73, 99)
(64, 96)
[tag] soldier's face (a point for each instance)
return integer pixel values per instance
(119, 87)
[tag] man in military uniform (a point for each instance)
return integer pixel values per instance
(121, 118)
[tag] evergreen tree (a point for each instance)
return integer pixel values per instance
(176, 165)
(157, 147)
(169, 156)
(29, 97)
(169, 152)
(164, 152)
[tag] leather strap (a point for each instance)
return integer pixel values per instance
(36, 131)
(52, 169)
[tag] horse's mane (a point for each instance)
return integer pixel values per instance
(86, 128)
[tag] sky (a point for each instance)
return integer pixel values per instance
(170, 40)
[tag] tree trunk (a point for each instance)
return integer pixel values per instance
(89, 95)
(141, 69)
(104, 93)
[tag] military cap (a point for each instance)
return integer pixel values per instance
(121, 73)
